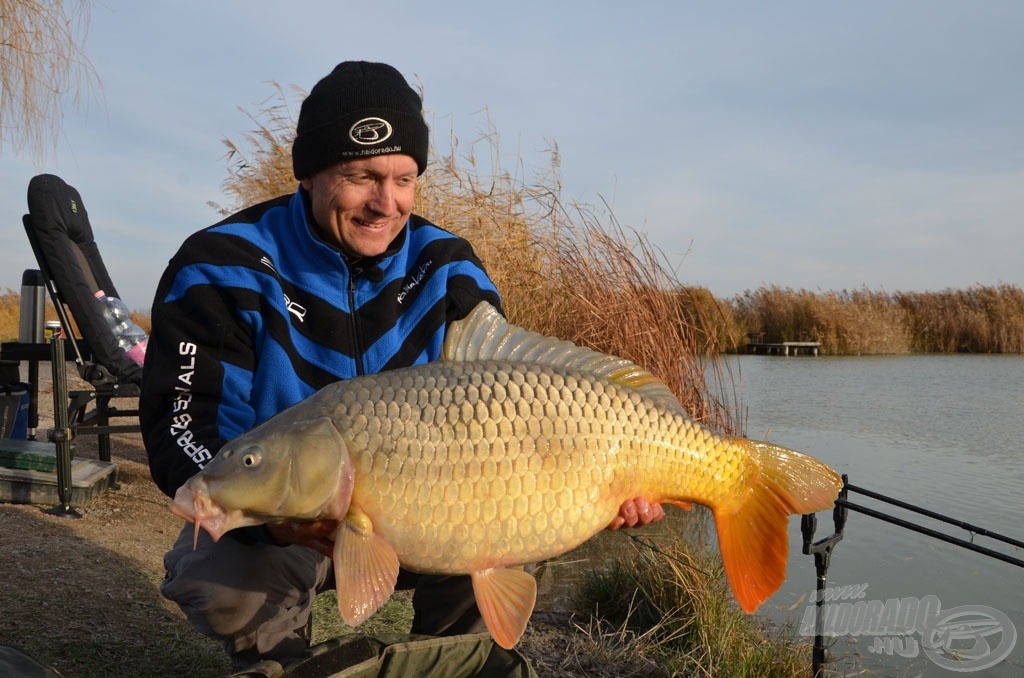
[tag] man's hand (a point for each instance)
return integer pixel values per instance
(315, 534)
(637, 512)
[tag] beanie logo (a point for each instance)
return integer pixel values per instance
(369, 131)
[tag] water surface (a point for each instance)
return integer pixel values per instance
(942, 432)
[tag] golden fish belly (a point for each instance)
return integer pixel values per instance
(466, 466)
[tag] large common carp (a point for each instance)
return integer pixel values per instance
(515, 447)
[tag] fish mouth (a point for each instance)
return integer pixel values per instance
(193, 503)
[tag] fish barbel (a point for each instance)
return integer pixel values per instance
(513, 448)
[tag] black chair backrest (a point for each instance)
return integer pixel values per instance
(58, 229)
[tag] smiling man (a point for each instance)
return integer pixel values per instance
(362, 205)
(261, 310)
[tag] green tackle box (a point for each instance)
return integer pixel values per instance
(29, 455)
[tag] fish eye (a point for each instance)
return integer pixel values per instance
(251, 458)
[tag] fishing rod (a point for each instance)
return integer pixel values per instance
(822, 549)
(973, 529)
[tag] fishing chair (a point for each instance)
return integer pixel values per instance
(58, 229)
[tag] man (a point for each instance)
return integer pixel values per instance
(259, 311)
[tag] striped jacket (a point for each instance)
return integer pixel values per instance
(256, 313)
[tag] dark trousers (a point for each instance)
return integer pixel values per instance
(257, 599)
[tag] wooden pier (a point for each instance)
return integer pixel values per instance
(784, 348)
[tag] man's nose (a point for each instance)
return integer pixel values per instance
(383, 199)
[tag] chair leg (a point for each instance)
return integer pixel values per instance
(103, 419)
(104, 446)
(33, 398)
(61, 433)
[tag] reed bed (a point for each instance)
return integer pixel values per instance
(10, 314)
(980, 319)
(846, 323)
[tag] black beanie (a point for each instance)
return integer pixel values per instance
(361, 109)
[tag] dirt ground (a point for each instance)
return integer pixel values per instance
(82, 593)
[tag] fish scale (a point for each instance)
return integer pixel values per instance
(512, 449)
(533, 460)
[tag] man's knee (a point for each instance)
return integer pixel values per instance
(254, 598)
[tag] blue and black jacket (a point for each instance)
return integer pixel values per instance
(256, 313)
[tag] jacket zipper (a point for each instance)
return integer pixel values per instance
(356, 343)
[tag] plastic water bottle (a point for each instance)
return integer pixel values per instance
(130, 337)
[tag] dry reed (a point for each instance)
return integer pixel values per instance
(10, 316)
(980, 319)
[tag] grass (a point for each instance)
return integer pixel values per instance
(980, 319)
(846, 323)
(672, 600)
(564, 269)
(395, 616)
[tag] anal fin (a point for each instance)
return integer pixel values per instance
(365, 568)
(505, 597)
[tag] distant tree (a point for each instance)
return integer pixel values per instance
(42, 67)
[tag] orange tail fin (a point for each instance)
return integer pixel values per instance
(752, 532)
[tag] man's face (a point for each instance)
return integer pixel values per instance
(361, 205)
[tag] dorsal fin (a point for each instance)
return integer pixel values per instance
(485, 335)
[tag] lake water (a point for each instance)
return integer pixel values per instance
(942, 432)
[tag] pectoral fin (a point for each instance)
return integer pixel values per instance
(365, 568)
(505, 598)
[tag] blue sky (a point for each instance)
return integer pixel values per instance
(822, 145)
